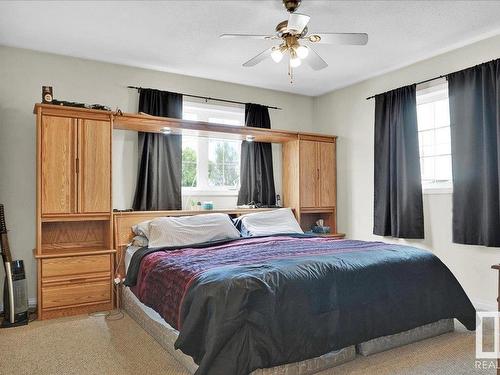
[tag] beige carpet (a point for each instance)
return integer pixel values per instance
(87, 345)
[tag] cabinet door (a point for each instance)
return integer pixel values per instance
(94, 166)
(58, 160)
(309, 171)
(327, 174)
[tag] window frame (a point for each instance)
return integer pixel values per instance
(236, 116)
(440, 89)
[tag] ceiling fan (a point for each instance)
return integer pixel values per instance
(291, 33)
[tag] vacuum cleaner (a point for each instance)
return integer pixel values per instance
(15, 291)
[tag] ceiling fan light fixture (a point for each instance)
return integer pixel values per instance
(302, 52)
(291, 33)
(295, 61)
(277, 55)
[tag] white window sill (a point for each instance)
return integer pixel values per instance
(438, 190)
(209, 193)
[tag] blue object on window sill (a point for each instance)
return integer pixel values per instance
(207, 206)
(321, 230)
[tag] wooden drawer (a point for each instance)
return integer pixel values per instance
(76, 294)
(77, 265)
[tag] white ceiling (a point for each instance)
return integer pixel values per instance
(182, 36)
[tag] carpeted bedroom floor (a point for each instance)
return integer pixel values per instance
(92, 345)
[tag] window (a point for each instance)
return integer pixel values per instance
(434, 136)
(211, 164)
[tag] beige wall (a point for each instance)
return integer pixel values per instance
(23, 72)
(349, 115)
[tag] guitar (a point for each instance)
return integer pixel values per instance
(4, 240)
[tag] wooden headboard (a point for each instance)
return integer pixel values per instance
(123, 222)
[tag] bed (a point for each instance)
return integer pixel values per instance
(289, 304)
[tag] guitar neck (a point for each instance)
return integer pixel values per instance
(4, 240)
(6, 255)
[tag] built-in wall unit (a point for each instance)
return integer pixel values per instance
(74, 247)
(75, 250)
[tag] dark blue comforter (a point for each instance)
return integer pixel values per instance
(262, 302)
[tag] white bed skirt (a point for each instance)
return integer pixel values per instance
(166, 336)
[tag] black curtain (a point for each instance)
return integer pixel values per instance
(398, 209)
(159, 174)
(256, 169)
(475, 138)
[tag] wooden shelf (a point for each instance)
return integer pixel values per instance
(309, 218)
(154, 124)
(73, 253)
(229, 211)
(310, 210)
(75, 236)
(75, 217)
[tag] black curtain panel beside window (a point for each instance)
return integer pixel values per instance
(256, 170)
(160, 156)
(398, 209)
(475, 138)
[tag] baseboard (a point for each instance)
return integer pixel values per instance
(31, 304)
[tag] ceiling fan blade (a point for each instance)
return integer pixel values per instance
(248, 36)
(314, 60)
(259, 58)
(297, 22)
(359, 39)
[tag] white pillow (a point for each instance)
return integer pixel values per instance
(142, 229)
(272, 222)
(190, 230)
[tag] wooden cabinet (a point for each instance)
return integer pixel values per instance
(58, 161)
(77, 265)
(74, 248)
(327, 174)
(75, 165)
(76, 280)
(94, 166)
(309, 179)
(317, 172)
(309, 171)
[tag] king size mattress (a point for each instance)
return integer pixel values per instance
(257, 303)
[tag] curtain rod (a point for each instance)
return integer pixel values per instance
(206, 97)
(416, 83)
(439, 77)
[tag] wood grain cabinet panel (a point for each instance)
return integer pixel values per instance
(308, 173)
(94, 166)
(58, 153)
(327, 174)
(76, 294)
(77, 265)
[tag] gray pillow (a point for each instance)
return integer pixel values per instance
(141, 229)
(140, 241)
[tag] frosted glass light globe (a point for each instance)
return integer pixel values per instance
(302, 52)
(295, 62)
(276, 55)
